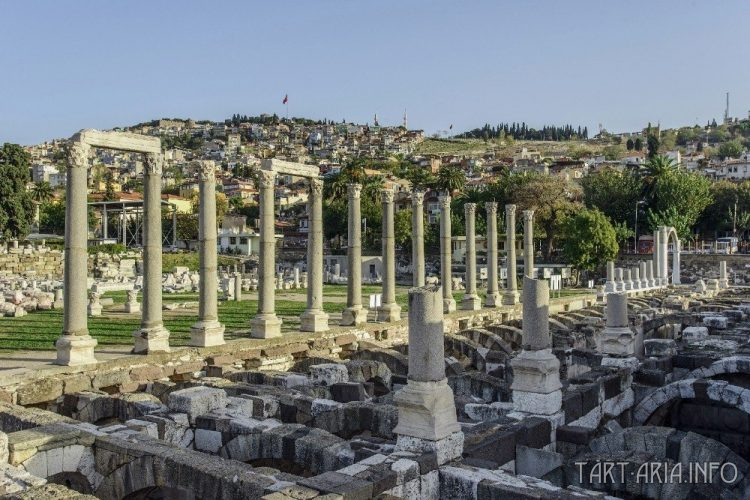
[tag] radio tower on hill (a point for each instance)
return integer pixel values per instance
(726, 110)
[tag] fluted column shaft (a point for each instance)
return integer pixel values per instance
(389, 310)
(75, 346)
(417, 237)
(152, 336)
(493, 295)
(471, 300)
(528, 243)
(207, 331)
(314, 319)
(446, 275)
(266, 324)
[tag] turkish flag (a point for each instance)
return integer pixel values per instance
(286, 99)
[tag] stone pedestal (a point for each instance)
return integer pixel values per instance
(643, 273)
(536, 371)
(389, 310)
(511, 295)
(266, 324)
(152, 336)
(635, 278)
(446, 254)
(207, 331)
(314, 319)
(426, 408)
(355, 313)
(417, 238)
(75, 346)
(493, 279)
(627, 281)
(132, 305)
(471, 301)
(651, 279)
(617, 338)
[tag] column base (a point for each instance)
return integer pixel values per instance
(207, 333)
(353, 316)
(446, 449)
(536, 382)
(511, 298)
(388, 313)
(537, 403)
(426, 410)
(154, 339)
(618, 341)
(75, 350)
(492, 299)
(94, 310)
(723, 284)
(265, 326)
(132, 307)
(449, 305)
(314, 320)
(471, 303)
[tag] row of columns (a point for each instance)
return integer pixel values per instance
(641, 277)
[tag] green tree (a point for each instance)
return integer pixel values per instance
(652, 145)
(630, 144)
(638, 144)
(402, 230)
(590, 240)
(16, 205)
(52, 217)
(450, 179)
(613, 192)
(42, 192)
(612, 152)
(236, 203)
(109, 189)
(419, 177)
(731, 149)
(678, 200)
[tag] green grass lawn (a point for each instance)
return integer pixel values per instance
(38, 330)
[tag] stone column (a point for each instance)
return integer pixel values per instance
(354, 314)
(314, 319)
(619, 283)
(651, 278)
(471, 300)
(617, 338)
(266, 324)
(207, 331)
(389, 310)
(417, 237)
(676, 278)
(426, 408)
(609, 286)
(536, 371)
(75, 346)
(152, 336)
(657, 258)
(105, 221)
(663, 255)
(510, 296)
(723, 278)
(643, 274)
(528, 243)
(237, 287)
(635, 277)
(493, 279)
(446, 263)
(627, 281)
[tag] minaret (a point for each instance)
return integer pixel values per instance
(406, 122)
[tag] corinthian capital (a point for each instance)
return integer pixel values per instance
(528, 215)
(354, 190)
(470, 209)
(153, 163)
(387, 195)
(417, 198)
(207, 170)
(445, 201)
(77, 155)
(266, 178)
(316, 187)
(491, 208)
(510, 210)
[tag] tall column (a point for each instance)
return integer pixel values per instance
(152, 335)
(105, 222)
(651, 277)
(174, 227)
(628, 282)
(446, 264)
(493, 279)
(528, 243)
(610, 286)
(619, 283)
(417, 237)
(644, 275)
(314, 319)
(471, 300)
(75, 346)
(635, 277)
(266, 324)
(657, 258)
(663, 254)
(617, 338)
(389, 310)
(426, 409)
(355, 313)
(676, 279)
(723, 278)
(207, 331)
(510, 296)
(536, 371)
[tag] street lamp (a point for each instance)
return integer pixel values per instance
(641, 202)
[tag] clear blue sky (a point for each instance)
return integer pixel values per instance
(78, 64)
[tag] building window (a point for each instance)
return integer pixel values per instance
(243, 241)
(232, 240)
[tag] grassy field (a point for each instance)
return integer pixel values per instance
(190, 260)
(38, 330)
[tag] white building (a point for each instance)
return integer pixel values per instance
(738, 169)
(235, 237)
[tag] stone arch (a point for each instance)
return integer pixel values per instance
(72, 465)
(724, 366)
(718, 391)
(667, 234)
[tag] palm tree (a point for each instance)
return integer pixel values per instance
(450, 179)
(354, 171)
(372, 186)
(41, 193)
(334, 187)
(654, 169)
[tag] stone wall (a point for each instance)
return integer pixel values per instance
(37, 263)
